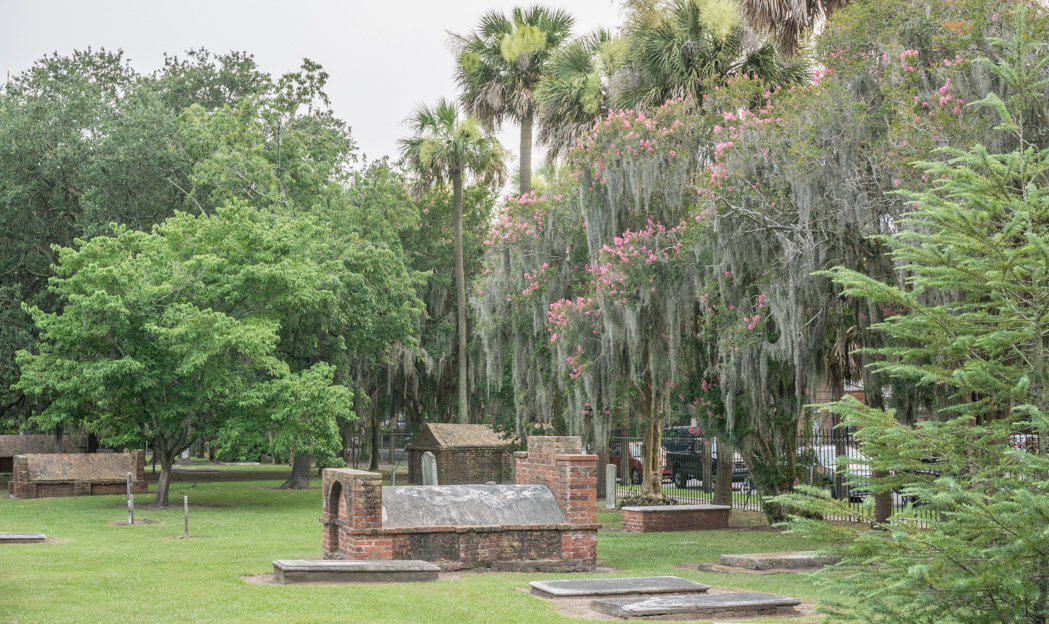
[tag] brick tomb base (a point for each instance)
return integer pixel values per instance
(675, 518)
(47, 475)
(545, 522)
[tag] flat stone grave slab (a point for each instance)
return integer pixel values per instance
(287, 571)
(698, 605)
(634, 586)
(199, 469)
(22, 538)
(778, 560)
(468, 505)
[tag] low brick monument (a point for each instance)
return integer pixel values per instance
(464, 454)
(43, 476)
(14, 445)
(547, 521)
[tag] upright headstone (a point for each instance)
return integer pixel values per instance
(429, 468)
(610, 486)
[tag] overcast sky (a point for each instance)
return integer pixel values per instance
(384, 56)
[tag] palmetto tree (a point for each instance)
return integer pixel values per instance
(787, 20)
(500, 65)
(442, 150)
(575, 91)
(689, 47)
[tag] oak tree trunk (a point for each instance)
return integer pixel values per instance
(300, 474)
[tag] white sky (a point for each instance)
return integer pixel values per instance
(384, 56)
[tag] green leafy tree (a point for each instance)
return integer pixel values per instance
(445, 149)
(970, 320)
(501, 65)
(167, 333)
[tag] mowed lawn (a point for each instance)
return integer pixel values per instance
(106, 573)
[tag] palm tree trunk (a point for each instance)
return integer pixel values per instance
(460, 295)
(526, 153)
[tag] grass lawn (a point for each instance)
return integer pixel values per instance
(106, 573)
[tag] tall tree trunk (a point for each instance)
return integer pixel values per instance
(601, 450)
(373, 465)
(460, 296)
(882, 500)
(300, 474)
(167, 459)
(652, 481)
(723, 480)
(526, 153)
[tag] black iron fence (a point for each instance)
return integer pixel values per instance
(687, 459)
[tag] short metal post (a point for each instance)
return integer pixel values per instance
(610, 486)
(185, 512)
(130, 502)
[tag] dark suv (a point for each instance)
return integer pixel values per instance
(684, 457)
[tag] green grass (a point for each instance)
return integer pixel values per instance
(106, 573)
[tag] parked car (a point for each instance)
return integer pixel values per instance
(820, 463)
(636, 457)
(684, 458)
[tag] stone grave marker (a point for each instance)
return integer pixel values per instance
(697, 606)
(429, 466)
(778, 560)
(633, 586)
(286, 571)
(22, 538)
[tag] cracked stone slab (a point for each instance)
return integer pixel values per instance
(778, 560)
(287, 571)
(699, 605)
(632, 586)
(468, 505)
(22, 538)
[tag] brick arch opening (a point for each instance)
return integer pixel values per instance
(336, 512)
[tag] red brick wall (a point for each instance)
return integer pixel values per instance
(652, 521)
(18, 486)
(462, 465)
(558, 463)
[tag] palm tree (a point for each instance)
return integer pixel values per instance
(787, 20)
(501, 64)
(575, 92)
(685, 50)
(443, 149)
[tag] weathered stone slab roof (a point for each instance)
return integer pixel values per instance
(450, 435)
(11, 445)
(80, 467)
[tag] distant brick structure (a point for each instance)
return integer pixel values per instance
(357, 526)
(465, 454)
(43, 476)
(665, 518)
(12, 445)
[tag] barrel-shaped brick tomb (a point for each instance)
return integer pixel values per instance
(545, 522)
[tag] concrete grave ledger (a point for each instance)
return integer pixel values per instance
(697, 605)
(22, 538)
(632, 586)
(778, 560)
(287, 571)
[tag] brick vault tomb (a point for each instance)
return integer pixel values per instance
(545, 522)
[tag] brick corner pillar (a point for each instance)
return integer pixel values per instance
(18, 487)
(576, 487)
(139, 485)
(352, 515)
